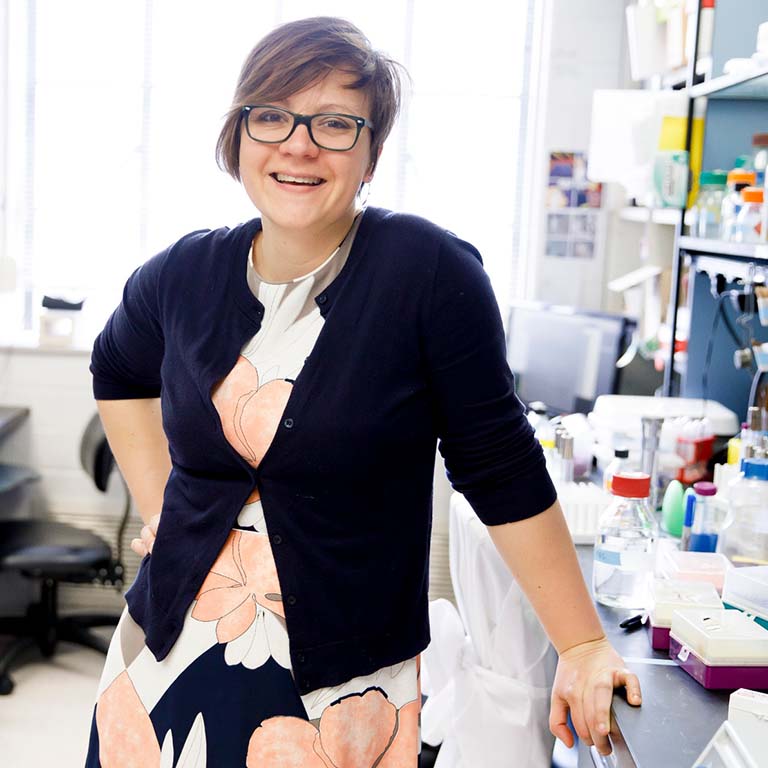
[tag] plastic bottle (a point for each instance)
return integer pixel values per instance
(707, 210)
(537, 412)
(625, 544)
(737, 180)
(749, 221)
(619, 463)
(758, 158)
(705, 526)
(706, 28)
(566, 460)
(744, 535)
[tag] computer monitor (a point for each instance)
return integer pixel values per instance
(565, 357)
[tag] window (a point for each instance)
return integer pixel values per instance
(113, 110)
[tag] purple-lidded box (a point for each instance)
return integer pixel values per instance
(670, 595)
(720, 648)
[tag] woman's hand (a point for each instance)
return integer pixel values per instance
(143, 546)
(584, 682)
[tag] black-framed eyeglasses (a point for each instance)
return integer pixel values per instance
(328, 130)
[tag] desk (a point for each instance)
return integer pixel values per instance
(10, 419)
(678, 716)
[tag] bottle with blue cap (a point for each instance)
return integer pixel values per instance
(744, 535)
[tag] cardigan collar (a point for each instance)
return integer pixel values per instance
(253, 308)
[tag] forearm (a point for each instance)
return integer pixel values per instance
(540, 554)
(135, 433)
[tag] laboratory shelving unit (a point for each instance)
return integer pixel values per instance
(736, 106)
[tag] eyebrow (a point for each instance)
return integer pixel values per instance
(323, 108)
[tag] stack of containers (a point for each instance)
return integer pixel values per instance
(721, 649)
(668, 596)
(746, 590)
(694, 566)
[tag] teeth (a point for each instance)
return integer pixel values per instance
(313, 180)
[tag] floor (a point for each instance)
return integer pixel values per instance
(46, 721)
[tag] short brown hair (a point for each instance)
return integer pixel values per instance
(295, 56)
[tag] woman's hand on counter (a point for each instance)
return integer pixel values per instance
(586, 677)
(143, 546)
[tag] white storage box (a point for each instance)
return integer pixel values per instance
(747, 590)
(694, 566)
(748, 714)
(669, 595)
(725, 750)
(720, 648)
(623, 413)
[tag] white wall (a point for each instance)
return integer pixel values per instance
(584, 50)
(56, 387)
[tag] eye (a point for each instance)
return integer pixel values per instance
(269, 116)
(335, 123)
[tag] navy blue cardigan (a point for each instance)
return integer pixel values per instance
(412, 351)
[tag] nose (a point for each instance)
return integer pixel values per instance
(300, 143)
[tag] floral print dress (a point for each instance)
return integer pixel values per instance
(224, 697)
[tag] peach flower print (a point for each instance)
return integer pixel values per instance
(250, 413)
(127, 737)
(242, 588)
(359, 731)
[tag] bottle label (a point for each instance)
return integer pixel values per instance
(633, 561)
(607, 556)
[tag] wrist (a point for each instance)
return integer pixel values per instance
(584, 646)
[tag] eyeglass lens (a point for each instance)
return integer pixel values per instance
(270, 124)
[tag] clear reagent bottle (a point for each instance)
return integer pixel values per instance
(625, 544)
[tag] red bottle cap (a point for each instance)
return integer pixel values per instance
(631, 485)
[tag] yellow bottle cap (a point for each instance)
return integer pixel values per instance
(734, 450)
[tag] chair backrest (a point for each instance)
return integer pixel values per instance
(95, 454)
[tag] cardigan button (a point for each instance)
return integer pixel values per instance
(305, 683)
(322, 298)
(291, 599)
(300, 658)
(277, 539)
(288, 423)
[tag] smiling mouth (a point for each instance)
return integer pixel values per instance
(297, 181)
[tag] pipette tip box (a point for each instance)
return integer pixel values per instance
(720, 649)
(669, 595)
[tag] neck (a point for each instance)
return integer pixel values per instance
(281, 255)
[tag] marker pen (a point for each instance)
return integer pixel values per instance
(690, 509)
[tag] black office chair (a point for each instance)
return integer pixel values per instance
(51, 553)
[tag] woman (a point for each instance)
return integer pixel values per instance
(306, 364)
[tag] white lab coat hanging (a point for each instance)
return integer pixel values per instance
(489, 669)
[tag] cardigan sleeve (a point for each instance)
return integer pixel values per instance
(490, 452)
(128, 353)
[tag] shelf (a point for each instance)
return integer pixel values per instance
(667, 216)
(707, 247)
(677, 79)
(753, 85)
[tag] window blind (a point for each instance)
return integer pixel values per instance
(113, 110)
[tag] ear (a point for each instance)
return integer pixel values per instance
(368, 178)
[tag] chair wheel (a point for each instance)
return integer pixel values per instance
(6, 685)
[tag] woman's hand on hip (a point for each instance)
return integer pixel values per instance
(584, 683)
(143, 546)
